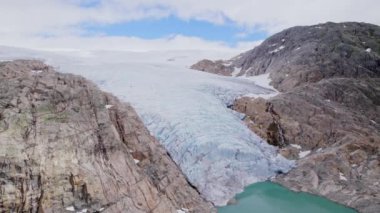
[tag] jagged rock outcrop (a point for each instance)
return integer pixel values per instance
(327, 115)
(67, 146)
(217, 67)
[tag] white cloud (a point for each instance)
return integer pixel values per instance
(176, 42)
(247, 45)
(36, 20)
(275, 15)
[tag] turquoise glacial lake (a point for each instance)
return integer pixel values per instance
(267, 197)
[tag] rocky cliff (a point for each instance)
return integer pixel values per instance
(327, 115)
(67, 146)
(333, 128)
(308, 54)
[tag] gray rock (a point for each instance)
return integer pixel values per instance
(307, 54)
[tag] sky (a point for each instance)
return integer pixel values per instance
(143, 25)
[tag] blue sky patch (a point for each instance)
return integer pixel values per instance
(229, 32)
(89, 3)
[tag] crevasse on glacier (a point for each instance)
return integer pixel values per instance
(186, 110)
(213, 147)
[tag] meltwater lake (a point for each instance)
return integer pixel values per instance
(267, 197)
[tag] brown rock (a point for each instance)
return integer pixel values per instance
(216, 67)
(289, 152)
(67, 145)
(262, 119)
(341, 129)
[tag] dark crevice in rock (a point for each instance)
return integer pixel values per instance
(119, 125)
(275, 133)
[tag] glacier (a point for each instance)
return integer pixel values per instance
(186, 110)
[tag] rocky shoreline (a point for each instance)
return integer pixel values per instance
(336, 149)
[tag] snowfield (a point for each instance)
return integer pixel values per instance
(185, 110)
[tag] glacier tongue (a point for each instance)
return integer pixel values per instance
(186, 111)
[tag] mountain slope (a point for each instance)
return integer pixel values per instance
(332, 128)
(327, 116)
(301, 55)
(67, 146)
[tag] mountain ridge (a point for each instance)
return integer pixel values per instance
(307, 54)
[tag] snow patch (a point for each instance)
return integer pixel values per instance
(296, 146)
(262, 80)
(342, 177)
(36, 71)
(109, 106)
(183, 210)
(298, 48)
(277, 49)
(283, 40)
(236, 71)
(136, 161)
(368, 50)
(372, 121)
(304, 153)
(82, 211)
(227, 63)
(70, 208)
(265, 96)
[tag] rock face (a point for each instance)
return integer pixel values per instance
(67, 146)
(217, 67)
(327, 115)
(337, 120)
(302, 55)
